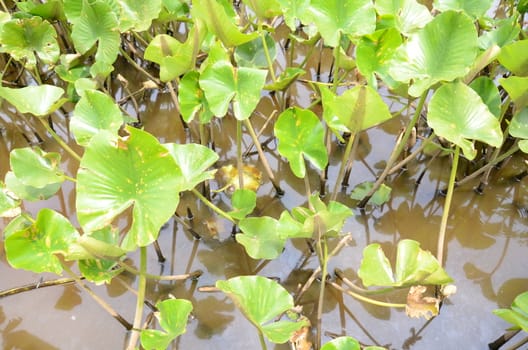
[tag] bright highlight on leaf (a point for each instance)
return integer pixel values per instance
(45, 99)
(518, 314)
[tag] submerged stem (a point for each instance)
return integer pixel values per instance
(59, 140)
(212, 206)
(447, 205)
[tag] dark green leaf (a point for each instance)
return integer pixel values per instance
(253, 54)
(489, 93)
(243, 202)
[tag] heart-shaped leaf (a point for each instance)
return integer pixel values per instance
(30, 193)
(22, 38)
(174, 58)
(301, 135)
(261, 300)
(34, 245)
(413, 266)
(337, 18)
(489, 93)
(474, 8)
(293, 11)
(260, 237)
(515, 57)
(264, 8)
(519, 124)
(505, 31)
(253, 54)
(457, 113)
(192, 99)
(172, 316)
(243, 202)
(9, 203)
(381, 196)
(222, 83)
(516, 88)
(285, 79)
(95, 112)
(193, 160)
(405, 15)
(117, 173)
(36, 168)
(518, 314)
(450, 35)
(38, 100)
(138, 14)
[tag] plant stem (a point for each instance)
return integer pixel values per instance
(139, 68)
(38, 285)
(447, 205)
(344, 162)
(262, 156)
(366, 299)
(212, 206)
(56, 137)
(142, 284)
(266, 52)
(262, 340)
(323, 249)
(240, 165)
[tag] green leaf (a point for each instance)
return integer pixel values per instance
(413, 266)
(38, 100)
(97, 23)
(489, 93)
(34, 246)
(30, 193)
(285, 79)
(518, 314)
(9, 202)
(138, 14)
(381, 196)
(407, 15)
(95, 112)
(516, 88)
(174, 58)
(222, 83)
(515, 57)
(293, 10)
(36, 168)
(218, 22)
(331, 216)
(24, 37)
(457, 113)
(301, 135)
(252, 54)
(192, 99)
(474, 8)
(342, 343)
(193, 161)
(262, 300)
(451, 36)
(337, 18)
(356, 109)
(374, 52)
(506, 31)
(264, 8)
(519, 124)
(243, 202)
(117, 173)
(172, 316)
(260, 237)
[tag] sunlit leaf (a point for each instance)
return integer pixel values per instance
(34, 246)
(413, 266)
(50, 10)
(260, 237)
(301, 135)
(192, 99)
(381, 196)
(9, 203)
(138, 14)
(488, 92)
(516, 88)
(356, 109)
(193, 160)
(519, 128)
(24, 37)
(506, 30)
(407, 15)
(174, 57)
(217, 21)
(172, 316)
(253, 54)
(337, 18)
(243, 202)
(457, 113)
(515, 57)
(35, 167)
(518, 314)
(332, 216)
(39, 100)
(222, 83)
(264, 8)
(94, 113)
(374, 52)
(293, 11)
(30, 193)
(117, 173)
(285, 79)
(474, 8)
(342, 343)
(262, 300)
(451, 36)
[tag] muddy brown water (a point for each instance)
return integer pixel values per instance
(486, 251)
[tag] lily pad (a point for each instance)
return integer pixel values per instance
(451, 36)
(285, 79)
(301, 135)
(192, 99)
(474, 8)
(405, 15)
(138, 14)
(518, 314)
(243, 202)
(30, 193)
(337, 18)
(36, 168)
(515, 57)
(381, 196)
(95, 112)
(253, 54)
(40, 100)
(457, 113)
(172, 316)
(9, 203)
(489, 93)
(174, 57)
(413, 266)
(516, 88)
(262, 300)
(293, 11)
(34, 245)
(264, 8)
(519, 124)
(221, 83)
(117, 173)
(342, 343)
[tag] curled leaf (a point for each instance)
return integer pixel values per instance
(419, 305)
